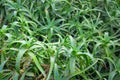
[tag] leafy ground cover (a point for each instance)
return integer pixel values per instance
(59, 40)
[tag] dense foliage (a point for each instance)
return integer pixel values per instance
(59, 39)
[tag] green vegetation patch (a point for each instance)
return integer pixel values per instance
(59, 39)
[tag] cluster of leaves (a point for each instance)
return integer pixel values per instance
(59, 39)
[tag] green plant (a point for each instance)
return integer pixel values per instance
(59, 40)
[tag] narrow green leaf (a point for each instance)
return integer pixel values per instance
(79, 72)
(56, 73)
(19, 56)
(52, 60)
(16, 75)
(37, 63)
(112, 75)
(72, 41)
(72, 65)
(2, 65)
